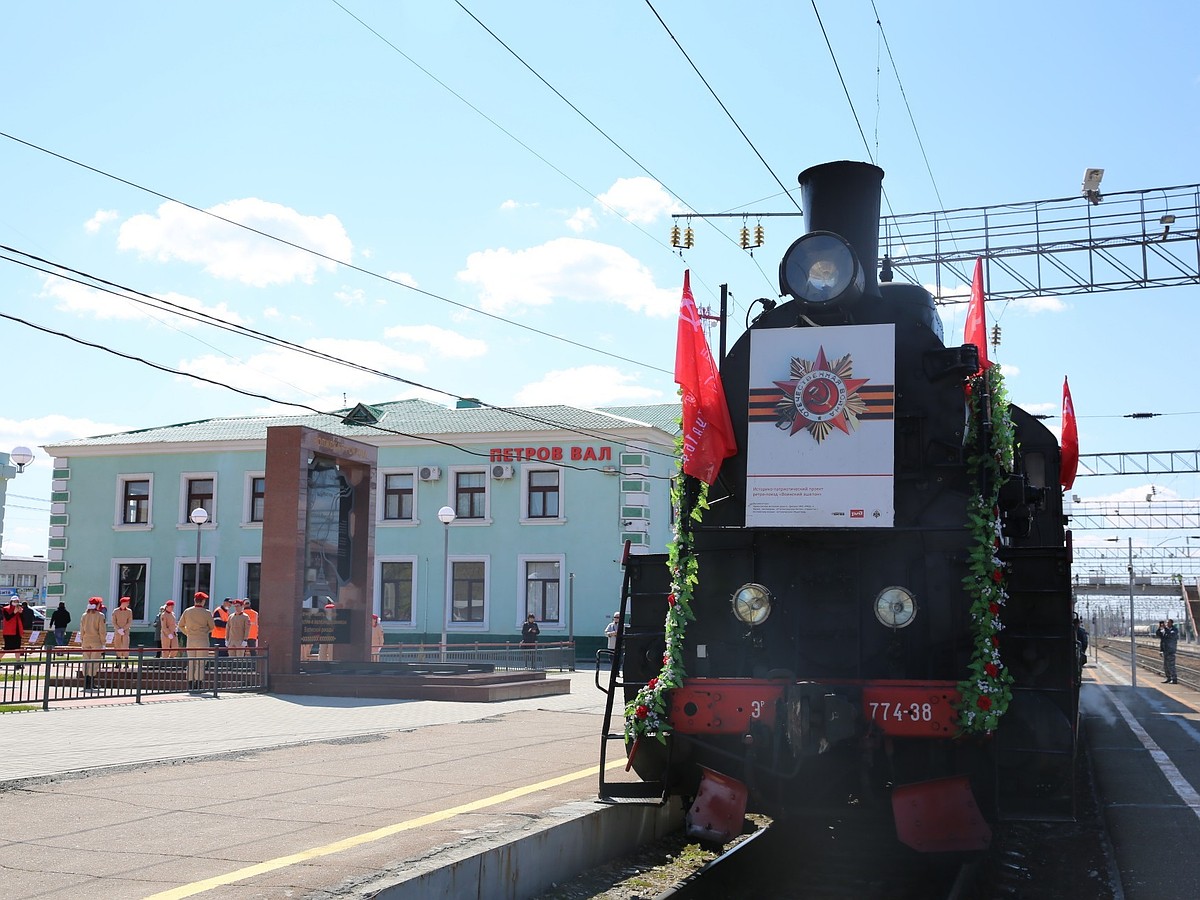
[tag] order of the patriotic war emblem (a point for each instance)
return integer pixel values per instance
(820, 397)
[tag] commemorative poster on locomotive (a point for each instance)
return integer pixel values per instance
(819, 444)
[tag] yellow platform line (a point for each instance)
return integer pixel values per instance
(280, 862)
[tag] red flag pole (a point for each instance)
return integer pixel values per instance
(1070, 441)
(975, 331)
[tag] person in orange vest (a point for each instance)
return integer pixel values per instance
(167, 639)
(220, 620)
(122, 622)
(376, 638)
(252, 636)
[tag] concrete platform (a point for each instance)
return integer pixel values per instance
(266, 796)
(1144, 744)
(481, 687)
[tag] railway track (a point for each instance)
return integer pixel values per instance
(1149, 659)
(857, 857)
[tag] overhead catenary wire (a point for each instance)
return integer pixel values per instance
(366, 25)
(338, 414)
(319, 255)
(159, 303)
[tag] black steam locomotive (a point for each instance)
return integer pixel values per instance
(881, 606)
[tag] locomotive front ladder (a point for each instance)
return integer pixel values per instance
(617, 685)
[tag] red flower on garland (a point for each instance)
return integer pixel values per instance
(984, 702)
(997, 575)
(992, 669)
(670, 599)
(994, 609)
(995, 640)
(642, 712)
(651, 684)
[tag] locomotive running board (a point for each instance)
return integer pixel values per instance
(940, 816)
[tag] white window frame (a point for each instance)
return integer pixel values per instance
(177, 577)
(114, 577)
(526, 471)
(184, 519)
(452, 492)
(446, 612)
(377, 604)
(522, 594)
(119, 523)
(247, 499)
(243, 581)
(381, 497)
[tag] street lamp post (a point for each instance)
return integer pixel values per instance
(446, 515)
(198, 516)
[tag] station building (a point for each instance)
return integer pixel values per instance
(545, 499)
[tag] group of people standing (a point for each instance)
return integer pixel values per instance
(1168, 643)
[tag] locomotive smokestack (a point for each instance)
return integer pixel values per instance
(843, 197)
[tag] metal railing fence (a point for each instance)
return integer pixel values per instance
(502, 656)
(55, 675)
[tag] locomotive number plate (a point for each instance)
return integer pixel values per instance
(911, 710)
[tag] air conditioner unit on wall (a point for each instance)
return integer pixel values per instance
(430, 473)
(502, 470)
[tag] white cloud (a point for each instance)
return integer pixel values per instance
(1032, 306)
(284, 375)
(50, 429)
(403, 278)
(1039, 409)
(566, 268)
(640, 199)
(351, 296)
(446, 343)
(586, 386)
(581, 220)
(85, 301)
(101, 218)
(226, 251)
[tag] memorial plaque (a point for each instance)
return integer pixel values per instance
(326, 627)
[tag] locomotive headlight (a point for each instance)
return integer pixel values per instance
(752, 603)
(821, 268)
(895, 607)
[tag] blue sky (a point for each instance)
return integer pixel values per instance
(411, 148)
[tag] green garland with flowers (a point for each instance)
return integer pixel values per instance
(987, 690)
(646, 714)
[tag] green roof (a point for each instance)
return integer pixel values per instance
(405, 418)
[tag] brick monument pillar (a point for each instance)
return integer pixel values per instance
(318, 544)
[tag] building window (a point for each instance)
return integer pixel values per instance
(7, 579)
(135, 501)
(398, 497)
(396, 591)
(27, 581)
(543, 494)
(469, 591)
(253, 582)
(188, 583)
(470, 495)
(199, 495)
(131, 583)
(542, 590)
(258, 498)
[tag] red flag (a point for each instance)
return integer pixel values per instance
(976, 330)
(707, 430)
(1070, 441)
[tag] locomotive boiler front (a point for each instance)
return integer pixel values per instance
(832, 624)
